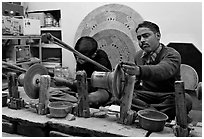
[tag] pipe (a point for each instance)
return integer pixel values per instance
(49, 37)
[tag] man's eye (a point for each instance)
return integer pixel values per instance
(139, 37)
(146, 35)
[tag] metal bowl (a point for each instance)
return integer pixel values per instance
(60, 109)
(152, 120)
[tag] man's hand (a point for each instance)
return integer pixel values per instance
(130, 68)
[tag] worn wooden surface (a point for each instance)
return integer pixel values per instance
(107, 126)
(82, 109)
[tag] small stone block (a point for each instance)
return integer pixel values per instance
(70, 117)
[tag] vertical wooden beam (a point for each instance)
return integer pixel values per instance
(126, 114)
(13, 85)
(82, 109)
(44, 94)
(15, 101)
(181, 112)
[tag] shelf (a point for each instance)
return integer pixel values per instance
(21, 37)
(21, 41)
(28, 62)
(50, 29)
(50, 46)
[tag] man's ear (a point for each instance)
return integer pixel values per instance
(158, 35)
(94, 55)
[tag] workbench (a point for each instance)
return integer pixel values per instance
(28, 123)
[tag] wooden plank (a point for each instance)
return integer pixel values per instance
(13, 85)
(126, 115)
(181, 129)
(82, 110)
(44, 94)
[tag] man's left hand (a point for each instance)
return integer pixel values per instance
(130, 68)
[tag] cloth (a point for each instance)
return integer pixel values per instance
(150, 58)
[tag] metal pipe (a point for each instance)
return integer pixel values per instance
(48, 36)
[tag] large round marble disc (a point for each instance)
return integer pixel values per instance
(113, 26)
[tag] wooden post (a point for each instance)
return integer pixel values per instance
(82, 109)
(126, 114)
(181, 129)
(15, 101)
(13, 85)
(44, 94)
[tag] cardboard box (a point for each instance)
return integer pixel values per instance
(20, 26)
(39, 16)
(30, 26)
(6, 25)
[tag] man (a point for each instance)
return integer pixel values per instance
(156, 67)
(88, 46)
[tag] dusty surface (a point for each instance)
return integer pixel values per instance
(98, 126)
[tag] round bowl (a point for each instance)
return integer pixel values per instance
(152, 120)
(60, 109)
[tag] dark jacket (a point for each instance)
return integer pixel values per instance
(164, 71)
(101, 57)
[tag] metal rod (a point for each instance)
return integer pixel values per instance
(62, 44)
(14, 66)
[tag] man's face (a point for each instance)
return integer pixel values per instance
(80, 60)
(147, 39)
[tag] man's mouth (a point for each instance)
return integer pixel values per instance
(145, 46)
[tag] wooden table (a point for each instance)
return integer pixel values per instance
(80, 126)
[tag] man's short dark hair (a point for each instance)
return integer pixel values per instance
(152, 26)
(86, 45)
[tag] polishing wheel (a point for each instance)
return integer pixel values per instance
(32, 80)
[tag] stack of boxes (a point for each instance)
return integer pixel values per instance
(20, 26)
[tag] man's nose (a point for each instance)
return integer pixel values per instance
(142, 39)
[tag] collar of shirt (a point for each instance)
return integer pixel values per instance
(150, 57)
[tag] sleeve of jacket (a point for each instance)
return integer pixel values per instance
(103, 60)
(168, 66)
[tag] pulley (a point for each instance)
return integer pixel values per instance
(112, 81)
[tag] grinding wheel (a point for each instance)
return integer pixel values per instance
(32, 80)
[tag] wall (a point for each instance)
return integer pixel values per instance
(178, 21)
